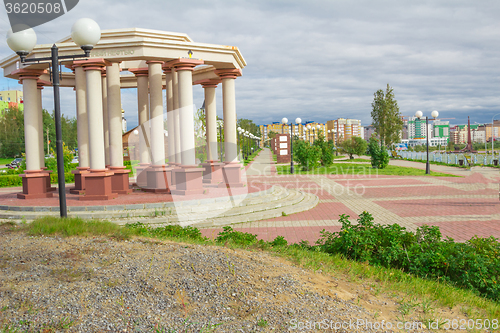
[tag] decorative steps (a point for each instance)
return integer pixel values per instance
(270, 203)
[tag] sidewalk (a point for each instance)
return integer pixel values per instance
(461, 206)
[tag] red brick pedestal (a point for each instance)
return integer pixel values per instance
(232, 174)
(49, 185)
(98, 186)
(159, 178)
(34, 185)
(79, 173)
(141, 178)
(174, 167)
(212, 174)
(188, 180)
(119, 180)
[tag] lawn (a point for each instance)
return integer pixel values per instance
(354, 160)
(4, 161)
(361, 170)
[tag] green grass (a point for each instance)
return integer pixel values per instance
(451, 165)
(4, 161)
(361, 169)
(251, 157)
(354, 160)
(75, 226)
(391, 281)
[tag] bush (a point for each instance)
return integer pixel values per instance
(326, 150)
(306, 155)
(473, 265)
(379, 155)
(236, 237)
(10, 180)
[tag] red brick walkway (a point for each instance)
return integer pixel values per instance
(461, 206)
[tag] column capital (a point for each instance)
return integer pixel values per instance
(228, 73)
(208, 83)
(155, 62)
(167, 68)
(139, 71)
(92, 64)
(41, 83)
(25, 73)
(184, 63)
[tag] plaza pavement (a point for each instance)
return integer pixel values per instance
(461, 206)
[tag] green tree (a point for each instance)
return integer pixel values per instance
(379, 155)
(68, 128)
(271, 135)
(386, 116)
(354, 146)
(12, 133)
(326, 150)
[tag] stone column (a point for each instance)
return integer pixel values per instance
(98, 181)
(40, 124)
(105, 117)
(143, 128)
(159, 176)
(188, 180)
(82, 130)
(34, 180)
(176, 117)
(170, 115)
(232, 169)
(119, 180)
(41, 137)
(212, 174)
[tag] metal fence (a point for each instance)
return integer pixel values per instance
(449, 158)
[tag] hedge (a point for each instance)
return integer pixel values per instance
(16, 180)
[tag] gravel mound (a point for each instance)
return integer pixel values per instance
(98, 284)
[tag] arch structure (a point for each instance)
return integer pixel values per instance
(151, 61)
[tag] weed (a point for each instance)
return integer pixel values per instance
(262, 322)
(236, 237)
(182, 299)
(230, 265)
(284, 214)
(279, 241)
(150, 265)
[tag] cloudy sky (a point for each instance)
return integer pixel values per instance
(321, 60)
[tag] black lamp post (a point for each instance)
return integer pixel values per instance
(85, 33)
(434, 115)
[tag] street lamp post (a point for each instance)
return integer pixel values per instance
(492, 138)
(247, 134)
(85, 33)
(239, 129)
(434, 115)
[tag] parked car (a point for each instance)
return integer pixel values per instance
(15, 163)
(75, 160)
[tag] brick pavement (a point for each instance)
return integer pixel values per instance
(461, 206)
